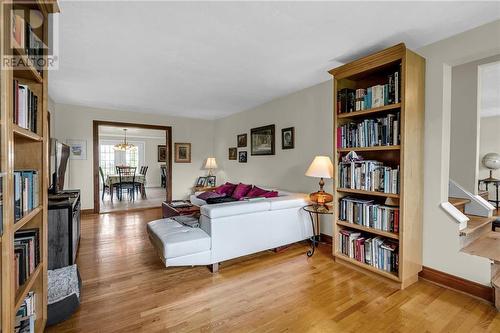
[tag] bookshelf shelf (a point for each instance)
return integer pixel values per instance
(22, 149)
(24, 133)
(388, 275)
(395, 75)
(368, 229)
(378, 194)
(26, 218)
(375, 148)
(27, 286)
(369, 112)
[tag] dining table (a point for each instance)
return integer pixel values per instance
(113, 180)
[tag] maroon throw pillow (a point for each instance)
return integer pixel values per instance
(210, 194)
(256, 192)
(241, 191)
(270, 194)
(226, 189)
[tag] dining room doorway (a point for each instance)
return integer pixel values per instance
(132, 166)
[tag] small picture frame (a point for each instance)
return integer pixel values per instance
(182, 152)
(77, 149)
(202, 181)
(162, 153)
(242, 157)
(288, 138)
(211, 181)
(233, 154)
(242, 140)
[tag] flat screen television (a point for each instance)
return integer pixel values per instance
(59, 155)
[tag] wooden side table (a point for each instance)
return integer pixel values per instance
(316, 210)
(204, 188)
(170, 211)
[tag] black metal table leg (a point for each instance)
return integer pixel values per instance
(313, 238)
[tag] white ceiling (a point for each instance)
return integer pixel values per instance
(132, 132)
(490, 90)
(212, 59)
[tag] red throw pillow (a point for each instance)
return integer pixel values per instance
(241, 191)
(270, 194)
(226, 189)
(256, 192)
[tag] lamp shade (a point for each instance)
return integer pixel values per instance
(211, 163)
(321, 167)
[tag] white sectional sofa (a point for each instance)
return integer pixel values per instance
(233, 229)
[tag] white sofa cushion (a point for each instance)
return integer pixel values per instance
(235, 208)
(173, 239)
(288, 201)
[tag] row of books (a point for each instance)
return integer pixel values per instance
(375, 251)
(26, 192)
(350, 100)
(369, 214)
(370, 132)
(368, 175)
(26, 315)
(27, 253)
(25, 38)
(25, 107)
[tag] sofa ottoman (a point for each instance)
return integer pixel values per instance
(179, 245)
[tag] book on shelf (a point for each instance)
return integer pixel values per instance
(369, 214)
(26, 315)
(350, 100)
(24, 36)
(368, 175)
(26, 192)
(378, 252)
(383, 131)
(26, 253)
(25, 107)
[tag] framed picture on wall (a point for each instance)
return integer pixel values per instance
(233, 154)
(182, 152)
(288, 138)
(242, 140)
(242, 157)
(262, 140)
(77, 149)
(162, 153)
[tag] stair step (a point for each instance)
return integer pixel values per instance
(475, 222)
(487, 246)
(459, 203)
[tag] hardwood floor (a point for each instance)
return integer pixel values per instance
(127, 289)
(155, 196)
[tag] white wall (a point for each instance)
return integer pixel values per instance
(153, 176)
(310, 112)
(440, 239)
(489, 143)
(75, 122)
(465, 124)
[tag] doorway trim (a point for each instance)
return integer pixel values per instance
(95, 139)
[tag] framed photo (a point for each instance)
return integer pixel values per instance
(202, 181)
(242, 140)
(162, 153)
(77, 149)
(262, 140)
(242, 157)
(233, 154)
(182, 152)
(211, 181)
(288, 138)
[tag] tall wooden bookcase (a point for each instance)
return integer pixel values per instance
(408, 155)
(23, 149)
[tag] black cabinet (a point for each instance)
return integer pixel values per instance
(63, 228)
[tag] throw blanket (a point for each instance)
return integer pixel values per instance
(211, 201)
(187, 220)
(62, 282)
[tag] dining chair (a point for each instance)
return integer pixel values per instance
(163, 169)
(126, 175)
(105, 187)
(140, 186)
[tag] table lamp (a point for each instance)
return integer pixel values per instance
(210, 165)
(321, 167)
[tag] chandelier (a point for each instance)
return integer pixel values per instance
(124, 145)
